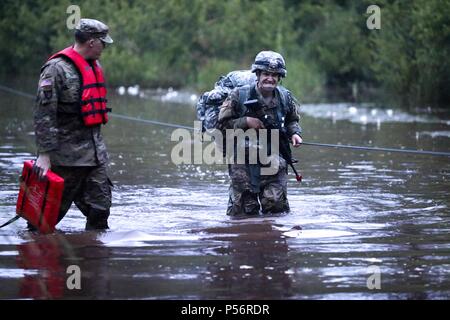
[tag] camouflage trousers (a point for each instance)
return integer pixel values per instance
(90, 189)
(272, 197)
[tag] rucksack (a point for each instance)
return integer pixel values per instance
(208, 105)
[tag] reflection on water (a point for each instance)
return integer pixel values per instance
(367, 113)
(171, 239)
(253, 262)
(43, 257)
(46, 260)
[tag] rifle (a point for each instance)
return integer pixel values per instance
(270, 124)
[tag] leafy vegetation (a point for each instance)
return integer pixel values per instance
(327, 45)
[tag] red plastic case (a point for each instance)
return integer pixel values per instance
(39, 199)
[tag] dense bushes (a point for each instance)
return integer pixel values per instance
(190, 43)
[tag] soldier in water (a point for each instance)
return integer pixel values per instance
(250, 191)
(69, 112)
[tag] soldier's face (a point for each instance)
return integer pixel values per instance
(268, 81)
(96, 47)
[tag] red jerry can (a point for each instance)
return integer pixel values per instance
(39, 199)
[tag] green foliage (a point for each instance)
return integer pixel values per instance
(432, 31)
(411, 56)
(26, 30)
(210, 72)
(162, 43)
(304, 80)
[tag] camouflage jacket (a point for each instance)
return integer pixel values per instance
(231, 111)
(58, 124)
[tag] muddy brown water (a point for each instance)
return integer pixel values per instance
(355, 213)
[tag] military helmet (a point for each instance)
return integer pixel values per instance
(270, 61)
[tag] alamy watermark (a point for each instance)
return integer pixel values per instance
(373, 22)
(241, 147)
(74, 17)
(74, 280)
(374, 280)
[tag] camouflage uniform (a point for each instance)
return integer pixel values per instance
(273, 188)
(77, 152)
(59, 126)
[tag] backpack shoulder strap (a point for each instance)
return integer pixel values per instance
(285, 97)
(244, 93)
(247, 92)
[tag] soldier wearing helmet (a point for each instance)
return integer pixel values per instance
(268, 193)
(271, 62)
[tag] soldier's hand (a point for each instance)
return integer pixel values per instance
(254, 123)
(42, 165)
(296, 140)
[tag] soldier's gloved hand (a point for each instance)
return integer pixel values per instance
(254, 123)
(42, 165)
(296, 140)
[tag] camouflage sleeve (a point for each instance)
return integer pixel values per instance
(45, 110)
(293, 118)
(229, 115)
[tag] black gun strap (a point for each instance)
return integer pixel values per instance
(246, 93)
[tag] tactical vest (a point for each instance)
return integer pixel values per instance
(93, 91)
(248, 92)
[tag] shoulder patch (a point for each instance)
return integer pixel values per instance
(46, 85)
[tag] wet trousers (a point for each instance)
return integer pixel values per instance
(90, 189)
(272, 197)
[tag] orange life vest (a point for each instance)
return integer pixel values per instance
(93, 90)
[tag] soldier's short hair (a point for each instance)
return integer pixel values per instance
(82, 37)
